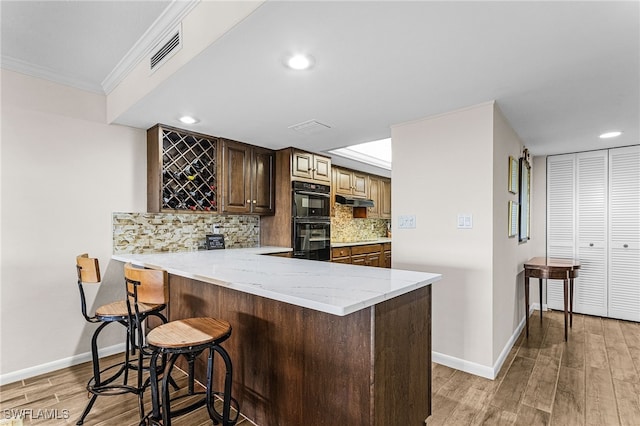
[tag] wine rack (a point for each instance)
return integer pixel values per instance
(186, 180)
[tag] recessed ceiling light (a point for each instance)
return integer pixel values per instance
(299, 62)
(610, 135)
(187, 119)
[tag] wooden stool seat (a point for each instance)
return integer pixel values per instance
(188, 332)
(119, 309)
(189, 338)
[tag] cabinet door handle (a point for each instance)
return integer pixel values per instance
(590, 244)
(255, 201)
(248, 201)
(625, 245)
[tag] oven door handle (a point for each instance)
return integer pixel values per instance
(319, 194)
(307, 220)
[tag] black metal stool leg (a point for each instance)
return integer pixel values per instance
(87, 409)
(153, 372)
(191, 359)
(96, 371)
(166, 400)
(225, 417)
(209, 389)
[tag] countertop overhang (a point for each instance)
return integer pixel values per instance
(334, 288)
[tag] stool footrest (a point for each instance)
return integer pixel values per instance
(235, 406)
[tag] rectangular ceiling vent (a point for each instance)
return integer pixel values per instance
(309, 127)
(168, 47)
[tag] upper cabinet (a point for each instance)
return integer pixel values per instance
(356, 184)
(385, 198)
(191, 172)
(181, 170)
(351, 183)
(380, 194)
(310, 166)
(247, 181)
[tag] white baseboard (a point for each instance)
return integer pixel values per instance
(536, 307)
(14, 376)
(479, 369)
(462, 365)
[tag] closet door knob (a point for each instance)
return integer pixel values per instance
(625, 245)
(590, 244)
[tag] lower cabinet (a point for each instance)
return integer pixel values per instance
(341, 255)
(377, 255)
(386, 248)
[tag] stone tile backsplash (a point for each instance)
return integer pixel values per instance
(158, 232)
(345, 229)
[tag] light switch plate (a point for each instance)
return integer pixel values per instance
(465, 221)
(406, 221)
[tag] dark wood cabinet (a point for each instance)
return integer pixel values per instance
(377, 255)
(191, 172)
(263, 180)
(311, 166)
(341, 255)
(385, 198)
(380, 193)
(247, 181)
(236, 180)
(351, 183)
(386, 250)
(181, 171)
(367, 255)
(374, 195)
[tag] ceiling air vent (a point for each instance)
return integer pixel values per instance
(167, 48)
(309, 127)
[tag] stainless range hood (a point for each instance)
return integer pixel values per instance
(354, 202)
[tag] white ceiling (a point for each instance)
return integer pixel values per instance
(562, 72)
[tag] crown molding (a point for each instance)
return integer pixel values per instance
(166, 22)
(46, 73)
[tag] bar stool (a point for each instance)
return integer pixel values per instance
(187, 338)
(113, 313)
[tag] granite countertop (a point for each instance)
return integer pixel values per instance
(380, 240)
(334, 288)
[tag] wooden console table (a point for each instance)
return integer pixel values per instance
(552, 269)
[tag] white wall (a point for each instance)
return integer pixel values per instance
(443, 166)
(64, 171)
(509, 254)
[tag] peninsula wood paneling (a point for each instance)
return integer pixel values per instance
(297, 366)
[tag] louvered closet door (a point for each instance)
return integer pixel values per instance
(590, 288)
(561, 171)
(624, 233)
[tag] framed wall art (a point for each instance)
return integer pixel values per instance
(513, 175)
(513, 219)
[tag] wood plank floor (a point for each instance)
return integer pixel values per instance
(594, 379)
(60, 397)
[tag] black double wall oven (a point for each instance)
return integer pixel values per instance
(311, 221)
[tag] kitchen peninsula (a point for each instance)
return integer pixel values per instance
(313, 343)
